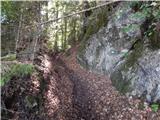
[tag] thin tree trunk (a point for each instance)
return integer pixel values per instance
(65, 33)
(38, 31)
(55, 43)
(46, 17)
(19, 31)
(74, 29)
(62, 40)
(79, 12)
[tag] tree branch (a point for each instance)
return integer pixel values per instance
(92, 8)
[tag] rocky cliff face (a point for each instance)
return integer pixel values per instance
(106, 48)
(120, 50)
(139, 75)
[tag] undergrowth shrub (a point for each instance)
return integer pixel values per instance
(17, 70)
(155, 107)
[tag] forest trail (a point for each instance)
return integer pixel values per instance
(42, 78)
(69, 92)
(94, 97)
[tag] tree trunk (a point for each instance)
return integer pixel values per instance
(19, 31)
(37, 37)
(56, 38)
(86, 15)
(62, 40)
(65, 33)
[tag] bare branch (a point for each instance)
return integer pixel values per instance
(92, 8)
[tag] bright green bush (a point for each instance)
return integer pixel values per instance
(155, 107)
(17, 70)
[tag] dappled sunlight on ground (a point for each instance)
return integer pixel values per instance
(47, 64)
(36, 83)
(51, 99)
(52, 103)
(57, 95)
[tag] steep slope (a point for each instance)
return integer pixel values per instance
(66, 91)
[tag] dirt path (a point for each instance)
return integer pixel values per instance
(94, 97)
(66, 91)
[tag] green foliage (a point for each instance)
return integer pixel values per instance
(151, 12)
(65, 33)
(95, 23)
(133, 56)
(156, 14)
(10, 10)
(9, 57)
(139, 15)
(151, 8)
(155, 107)
(133, 3)
(150, 30)
(128, 28)
(146, 9)
(17, 70)
(143, 10)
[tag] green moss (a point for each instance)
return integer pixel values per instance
(131, 27)
(17, 70)
(154, 39)
(96, 23)
(9, 57)
(139, 15)
(133, 3)
(93, 27)
(81, 49)
(122, 84)
(132, 58)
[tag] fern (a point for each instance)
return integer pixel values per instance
(17, 70)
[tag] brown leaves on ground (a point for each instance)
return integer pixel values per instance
(63, 90)
(14, 94)
(103, 100)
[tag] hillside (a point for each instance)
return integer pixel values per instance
(95, 60)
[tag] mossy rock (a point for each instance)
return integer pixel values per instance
(121, 84)
(132, 58)
(121, 81)
(155, 40)
(95, 24)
